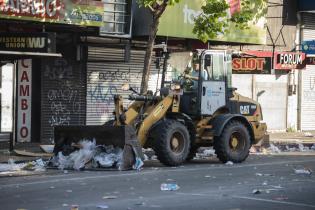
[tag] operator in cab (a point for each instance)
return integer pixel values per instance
(195, 75)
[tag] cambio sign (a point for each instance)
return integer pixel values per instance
(24, 100)
(178, 21)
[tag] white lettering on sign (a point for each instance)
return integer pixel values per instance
(41, 8)
(190, 15)
(291, 59)
(24, 100)
(244, 109)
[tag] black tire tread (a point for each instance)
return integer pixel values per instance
(160, 136)
(220, 145)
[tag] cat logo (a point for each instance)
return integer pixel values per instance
(244, 109)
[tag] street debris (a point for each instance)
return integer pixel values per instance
(204, 153)
(256, 191)
(103, 206)
(47, 148)
(260, 174)
(229, 163)
(305, 171)
(110, 197)
(169, 187)
(37, 165)
(308, 134)
(274, 149)
(91, 155)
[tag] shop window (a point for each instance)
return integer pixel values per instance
(116, 17)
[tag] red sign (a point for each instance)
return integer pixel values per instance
(252, 62)
(42, 9)
(289, 60)
(310, 60)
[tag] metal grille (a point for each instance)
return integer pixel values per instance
(63, 95)
(104, 80)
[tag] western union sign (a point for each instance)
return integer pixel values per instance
(27, 42)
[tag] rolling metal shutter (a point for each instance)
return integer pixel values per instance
(106, 73)
(308, 78)
(63, 95)
(270, 91)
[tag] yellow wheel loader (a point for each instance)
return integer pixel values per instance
(187, 113)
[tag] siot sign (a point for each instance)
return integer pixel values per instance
(251, 65)
(289, 60)
(24, 100)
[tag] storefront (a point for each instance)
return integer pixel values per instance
(48, 72)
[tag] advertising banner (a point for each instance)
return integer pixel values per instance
(24, 108)
(74, 12)
(289, 60)
(28, 42)
(178, 21)
(308, 47)
(251, 65)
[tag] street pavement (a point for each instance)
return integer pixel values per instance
(261, 182)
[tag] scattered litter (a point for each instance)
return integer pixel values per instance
(51, 187)
(260, 174)
(256, 191)
(274, 149)
(169, 187)
(102, 206)
(305, 171)
(209, 152)
(229, 163)
(140, 204)
(75, 207)
(204, 153)
(276, 186)
(110, 197)
(308, 134)
(265, 183)
(38, 165)
(154, 157)
(47, 148)
(302, 148)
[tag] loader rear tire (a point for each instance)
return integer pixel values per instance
(171, 142)
(234, 143)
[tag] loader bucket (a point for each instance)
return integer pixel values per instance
(124, 137)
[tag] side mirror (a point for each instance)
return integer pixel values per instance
(125, 87)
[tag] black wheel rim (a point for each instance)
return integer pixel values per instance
(177, 143)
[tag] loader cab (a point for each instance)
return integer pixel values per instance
(211, 93)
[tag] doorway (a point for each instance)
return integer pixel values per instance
(6, 101)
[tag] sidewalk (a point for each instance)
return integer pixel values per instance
(281, 139)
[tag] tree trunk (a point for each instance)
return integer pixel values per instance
(148, 55)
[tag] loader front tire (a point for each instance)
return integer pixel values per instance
(171, 142)
(234, 143)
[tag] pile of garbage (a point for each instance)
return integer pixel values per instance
(91, 155)
(37, 165)
(274, 149)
